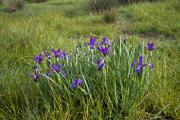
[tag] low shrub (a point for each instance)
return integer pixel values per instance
(14, 5)
(110, 16)
(101, 5)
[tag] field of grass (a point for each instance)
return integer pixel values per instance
(115, 92)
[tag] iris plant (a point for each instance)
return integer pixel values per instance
(103, 47)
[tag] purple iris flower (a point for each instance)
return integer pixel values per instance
(35, 75)
(56, 68)
(138, 69)
(48, 73)
(150, 46)
(151, 66)
(100, 63)
(47, 54)
(92, 42)
(76, 83)
(105, 41)
(56, 53)
(140, 60)
(98, 46)
(140, 65)
(104, 49)
(38, 58)
(63, 55)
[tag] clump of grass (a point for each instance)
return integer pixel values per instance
(114, 83)
(14, 5)
(110, 16)
(101, 5)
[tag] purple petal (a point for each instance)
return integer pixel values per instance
(38, 58)
(132, 64)
(151, 66)
(35, 69)
(105, 41)
(48, 73)
(144, 65)
(56, 68)
(92, 42)
(56, 53)
(76, 83)
(138, 69)
(150, 46)
(140, 60)
(100, 63)
(63, 55)
(47, 54)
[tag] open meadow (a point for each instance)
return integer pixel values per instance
(89, 60)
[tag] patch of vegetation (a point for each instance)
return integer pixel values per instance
(110, 16)
(101, 5)
(14, 5)
(159, 18)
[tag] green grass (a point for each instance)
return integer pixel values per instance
(158, 17)
(60, 24)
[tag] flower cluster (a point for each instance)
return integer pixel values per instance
(56, 57)
(55, 67)
(140, 65)
(103, 47)
(101, 52)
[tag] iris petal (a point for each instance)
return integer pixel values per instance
(76, 83)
